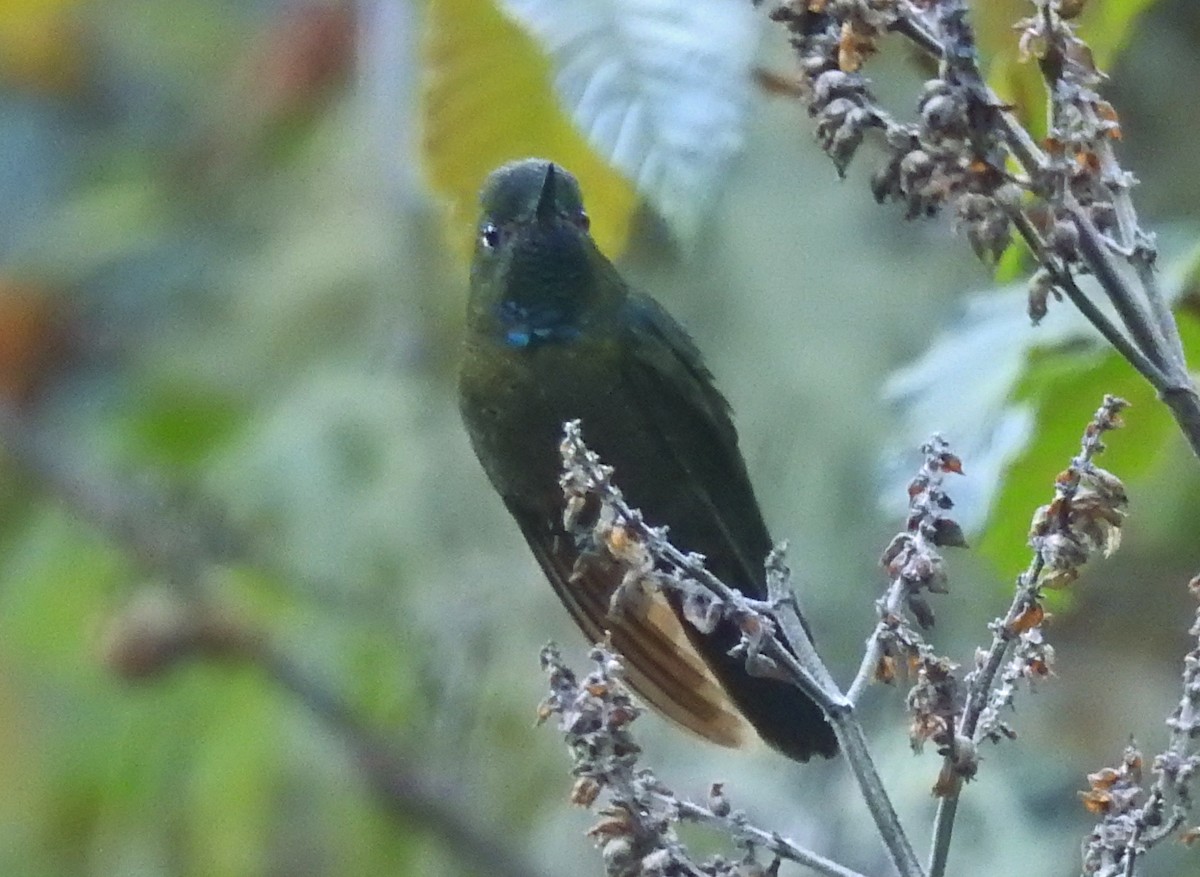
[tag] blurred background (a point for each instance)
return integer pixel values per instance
(260, 612)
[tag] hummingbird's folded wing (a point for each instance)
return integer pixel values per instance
(698, 443)
(708, 500)
(661, 664)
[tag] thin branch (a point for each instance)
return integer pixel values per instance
(778, 632)
(867, 667)
(943, 831)
(636, 833)
(1023, 146)
(915, 566)
(858, 755)
(736, 826)
(1065, 281)
(1133, 312)
(1085, 516)
(1133, 819)
(145, 522)
(803, 664)
(956, 156)
(1143, 264)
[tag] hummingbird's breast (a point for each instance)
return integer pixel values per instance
(515, 399)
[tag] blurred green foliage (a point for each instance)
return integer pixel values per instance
(229, 314)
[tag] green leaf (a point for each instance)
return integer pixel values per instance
(1108, 26)
(1013, 263)
(180, 426)
(1066, 388)
(1005, 393)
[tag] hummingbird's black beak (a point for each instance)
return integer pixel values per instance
(546, 208)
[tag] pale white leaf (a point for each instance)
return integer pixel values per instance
(660, 88)
(962, 385)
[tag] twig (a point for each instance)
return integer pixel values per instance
(915, 567)
(957, 156)
(868, 667)
(1085, 516)
(1134, 819)
(736, 826)
(636, 832)
(1133, 313)
(1065, 281)
(777, 631)
(806, 669)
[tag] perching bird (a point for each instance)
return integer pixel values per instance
(554, 334)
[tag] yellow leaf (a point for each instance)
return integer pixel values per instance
(489, 99)
(39, 44)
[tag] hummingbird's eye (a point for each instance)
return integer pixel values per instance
(583, 220)
(489, 236)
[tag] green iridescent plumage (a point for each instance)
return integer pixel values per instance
(555, 334)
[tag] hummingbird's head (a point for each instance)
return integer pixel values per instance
(536, 272)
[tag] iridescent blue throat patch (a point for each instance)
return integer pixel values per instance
(525, 326)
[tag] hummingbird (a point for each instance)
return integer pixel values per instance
(555, 334)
